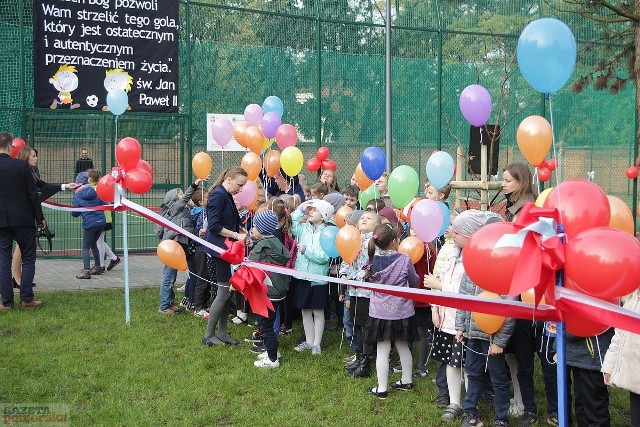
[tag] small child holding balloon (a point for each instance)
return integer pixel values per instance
(480, 344)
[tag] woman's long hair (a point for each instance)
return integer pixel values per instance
(228, 173)
(521, 173)
(24, 154)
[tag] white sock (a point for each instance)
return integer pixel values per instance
(382, 364)
(454, 375)
(406, 361)
(307, 324)
(318, 327)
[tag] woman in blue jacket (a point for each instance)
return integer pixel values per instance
(93, 223)
(223, 222)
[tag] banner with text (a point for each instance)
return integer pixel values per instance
(86, 48)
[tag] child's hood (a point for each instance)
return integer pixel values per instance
(171, 196)
(86, 192)
(271, 250)
(389, 269)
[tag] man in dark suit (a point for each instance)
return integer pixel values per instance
(20, 210)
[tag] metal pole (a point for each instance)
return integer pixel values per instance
(387, 91)
(561, 363)
(125, 251)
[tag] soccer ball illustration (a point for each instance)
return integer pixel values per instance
(92, 101)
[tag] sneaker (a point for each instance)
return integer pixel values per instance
(442, 401)
(238, 320)
(500, 423)
(350, 359)
(185, 302)
(266, 363)
(399, 385)
(471, 420)
(96, 270)
(84, 274)
(201, 313)
(265, 355)
(258, 348)
(452, 412)
(528, 419)
(177, 309)
(421, 373)
(168, 311)
(284, 330)
(315, 349)
(552, 419)
(206, 316)
(303, 346)
(397, 369)
(113, 263)
(514, 411)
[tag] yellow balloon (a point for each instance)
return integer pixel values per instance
(542, 197)
(267, 143)
(291, 161)
(202, 165)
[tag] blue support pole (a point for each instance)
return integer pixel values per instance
(561, 363)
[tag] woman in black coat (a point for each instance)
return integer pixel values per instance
(223, 222)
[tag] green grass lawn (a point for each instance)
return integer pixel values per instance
(77, 351)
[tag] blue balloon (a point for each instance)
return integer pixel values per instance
(117, 101)
(328, 241)
(440, 169)
(273, 104)
(373, 162)
(446, 218)
(546, 54)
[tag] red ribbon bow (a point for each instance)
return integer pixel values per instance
(539, 259)
(235, 252)
(250, 281)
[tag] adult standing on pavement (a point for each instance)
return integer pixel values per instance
(20, 210)
(223, 222)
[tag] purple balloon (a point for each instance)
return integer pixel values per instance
(475, 104)
(271, 121)
(253, 114)
(426, 220)
(222, 131)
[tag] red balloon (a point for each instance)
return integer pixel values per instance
(329, 164)
(604, 262)
(137, 181)
(544, 174)
(323, 153)
(313, 164)
(582, 205)
(489, 267)
(144, 165)
(552, 164)
(17, 145)
(106, 188)
(632, 172)
(581, 327)
(128, 152)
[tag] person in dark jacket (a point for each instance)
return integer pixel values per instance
(20, 210)
(267, 248)
(93, 223)
(223, 222)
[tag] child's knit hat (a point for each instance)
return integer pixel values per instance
(325, 209)
(470, 221)
(82, 178)
(336, 200)
(353, 217)
(266, 223)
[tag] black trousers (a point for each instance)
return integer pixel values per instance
(591, 398)
(25, 237)
(634, 406)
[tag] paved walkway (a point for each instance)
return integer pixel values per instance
(60, 275)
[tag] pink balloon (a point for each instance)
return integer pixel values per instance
(253, 114)
(248, 193)
(271, 121)
(475, 105)
(222, 131)
(286, 136)
(426, 219)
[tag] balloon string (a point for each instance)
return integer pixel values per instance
(116, 128)
(555, 156)
(222, 157)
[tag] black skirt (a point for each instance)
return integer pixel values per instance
(310, 297)
(447, 349)
(223, 269)
(423, 316)
(377, 330)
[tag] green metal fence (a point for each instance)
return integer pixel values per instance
(325, 60)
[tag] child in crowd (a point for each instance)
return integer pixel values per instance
(176, 202)
(319, 190)
(435, 194)
(328, 176)
(390, 317)
(93, 223)
(350, 194)
(202, 289)
(358, 299)
(381, 184)
(375, 205)
(479, 344)
(246, 220)
(267, 248)
(103, 247)
(311, 296)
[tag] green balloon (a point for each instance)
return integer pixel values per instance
(403, 185)
(368, 194)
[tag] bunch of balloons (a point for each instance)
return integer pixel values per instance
(321, 160)
(545, 169)
(17, 144)
(602, 256)
(133, 173)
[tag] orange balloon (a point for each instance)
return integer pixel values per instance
(240, 132)
(202, 165)
(272, 163)
(172, 255)
(254, 139)
(534, 138)
(413, 247)
(621, 216)
(362, 180)
(488, 323)
(348, 243)
(252, 164)
(530, 297)
(341, 215)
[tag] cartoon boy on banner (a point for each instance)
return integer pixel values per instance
(65, 81)
(117, 79)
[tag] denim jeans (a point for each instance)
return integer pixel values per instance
(90, 238)
(167, 296)
(269, 336)
(475, 362)
(348, 327)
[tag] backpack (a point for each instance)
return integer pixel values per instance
(164, 213)
(179, 219)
